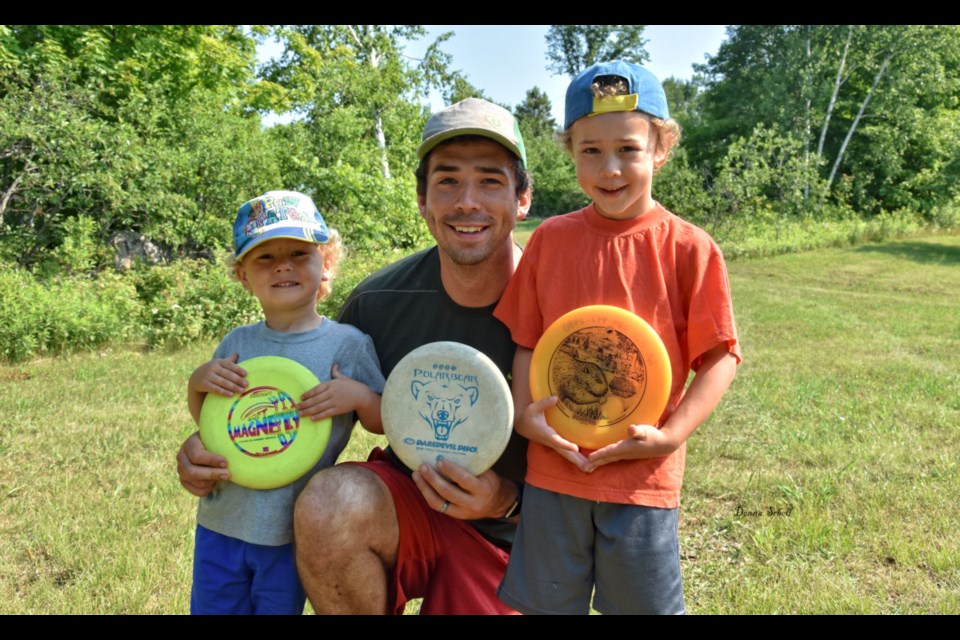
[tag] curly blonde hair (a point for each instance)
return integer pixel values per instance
(668, 131)
(332, 252)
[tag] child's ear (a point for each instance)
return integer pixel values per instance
(662, 151)
(242, 275)
(328, 263)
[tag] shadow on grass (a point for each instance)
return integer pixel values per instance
(921, 252)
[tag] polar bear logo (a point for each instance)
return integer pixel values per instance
(444, 406)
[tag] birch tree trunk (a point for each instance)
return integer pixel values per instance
(837, 83)
(856, 121)
(377, 113)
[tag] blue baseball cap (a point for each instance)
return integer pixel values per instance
(277, 214)
(645, 93)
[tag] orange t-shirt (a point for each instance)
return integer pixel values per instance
(667, 271)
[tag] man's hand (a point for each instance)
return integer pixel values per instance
(199, 470)
(468, 497)
(532, 425)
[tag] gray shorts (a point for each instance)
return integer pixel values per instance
(565, 546)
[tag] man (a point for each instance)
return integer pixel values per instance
(371, 536)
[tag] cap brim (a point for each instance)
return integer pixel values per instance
(427, 145)
(291, 233)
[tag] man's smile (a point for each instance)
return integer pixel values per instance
(467, 229)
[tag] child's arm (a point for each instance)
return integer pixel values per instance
(342, 394)
(717, 369)
(221, 376)
(530, 421)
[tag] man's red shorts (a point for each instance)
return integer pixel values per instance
(441, 559)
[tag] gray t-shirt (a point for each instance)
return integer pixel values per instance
(266, 516)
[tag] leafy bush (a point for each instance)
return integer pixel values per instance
(356, 266)
(681, 189)
(946, 216)
(48, 317)
(767, 170)
(555, 187)
(794, 235)
(198, 299)
(191, 299)
(371, 212)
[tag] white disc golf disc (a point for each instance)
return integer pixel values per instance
(447, 400)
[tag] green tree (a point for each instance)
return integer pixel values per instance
(555, 189)
(572, 48)
(359, 98)
(359, 92)
(683, 98)
(858, 98)
(535, 114)
(144, 128)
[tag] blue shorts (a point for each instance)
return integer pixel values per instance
(565, 546)
(233, 577)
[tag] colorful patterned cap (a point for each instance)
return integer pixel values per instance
(277, 214)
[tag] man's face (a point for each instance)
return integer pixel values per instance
(471, 204)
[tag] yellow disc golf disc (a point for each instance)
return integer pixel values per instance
(259, 431)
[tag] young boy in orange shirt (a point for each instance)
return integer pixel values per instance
(608, 518)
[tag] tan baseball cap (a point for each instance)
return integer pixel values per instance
(477, 117)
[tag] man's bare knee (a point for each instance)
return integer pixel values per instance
(346, 507)
(346, 537)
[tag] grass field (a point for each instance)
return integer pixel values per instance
(826, 482)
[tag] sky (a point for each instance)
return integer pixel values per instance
(507, 60)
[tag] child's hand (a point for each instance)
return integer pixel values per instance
(221, 376)
(532, 425)
(342, 394)
(642, 441)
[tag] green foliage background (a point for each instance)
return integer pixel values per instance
(794, 137)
